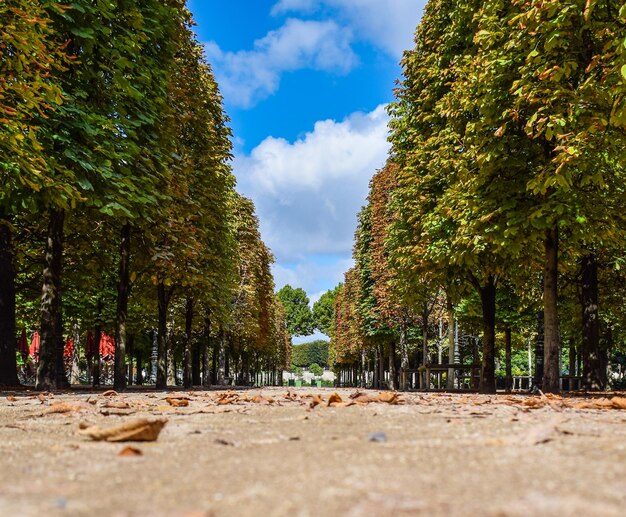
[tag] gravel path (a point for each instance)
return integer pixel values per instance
(263, 452)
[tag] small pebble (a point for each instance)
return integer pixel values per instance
(377, 437)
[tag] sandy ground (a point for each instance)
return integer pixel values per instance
(434, 454)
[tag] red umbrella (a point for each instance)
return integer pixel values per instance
(107, 347)
(69, 348)
(22, 346)
(34, 346)
(90, 346)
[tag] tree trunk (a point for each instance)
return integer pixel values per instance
(187, 376)
(450, 308)
(196, 361)
(488, 373)
(245, 367)
(592, 367)
(393, 385)
(129, 353)
(214, 361)
(51, 369)
(539, 351)
(404, 355)
(139, 374)
(8, 363)
(424, 382)
(228, 354)
(171, 364)
(206, 343)
(363, 383)
(75, 370)
(551, 371)
(154, 356)
(381, 366)
(161, 374)
(475, 360)
(508, 382)
(123, 291)
(95, 376)
(221, 358)
(572, 363)
(375, 372)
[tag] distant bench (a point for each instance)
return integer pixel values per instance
(467, 376)
(566, 382)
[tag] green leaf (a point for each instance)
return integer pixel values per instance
(82, 32)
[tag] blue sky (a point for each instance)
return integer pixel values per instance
(305, 83)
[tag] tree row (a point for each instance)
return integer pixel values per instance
(502, 203)
(118, 208)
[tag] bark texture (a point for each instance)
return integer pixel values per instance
(508, 379)
(51, 369)
(593, 375)
(551, 371)
(488, 299)
(187, 375)
(123, 292)
(8, 343)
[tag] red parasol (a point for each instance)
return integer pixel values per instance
(69, 348)
(90, 347)
(22, 346)
(107, 347)
(34, 346)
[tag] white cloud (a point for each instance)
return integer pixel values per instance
(248, 76)
(307, 192)
(301, 6)
(389, 24)
(314, 277)
(298, 340)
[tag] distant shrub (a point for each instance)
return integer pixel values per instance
(316, 370)
(306, 354)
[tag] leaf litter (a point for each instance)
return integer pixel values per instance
(139, 430)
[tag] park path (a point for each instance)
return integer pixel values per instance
(268, 452)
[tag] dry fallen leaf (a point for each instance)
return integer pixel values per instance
(316, 400)
(361, 398)
(334, 399)
(619, 402)
(117, 412)
(177, 402)
(130, 451)
(140, 430)
(117, 405)
(110, 393)
(227, 398)
(343, 404)
(534, 402)
(292, 396)
(45, 396)
(11, 398)
(390, 397)
(61, 407)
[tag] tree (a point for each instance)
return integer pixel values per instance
(309, 353)
(30, 56)
(98, 141)
(323, 310)
(316, 370)
(560, 71)
(297, 309)
(437, 182)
